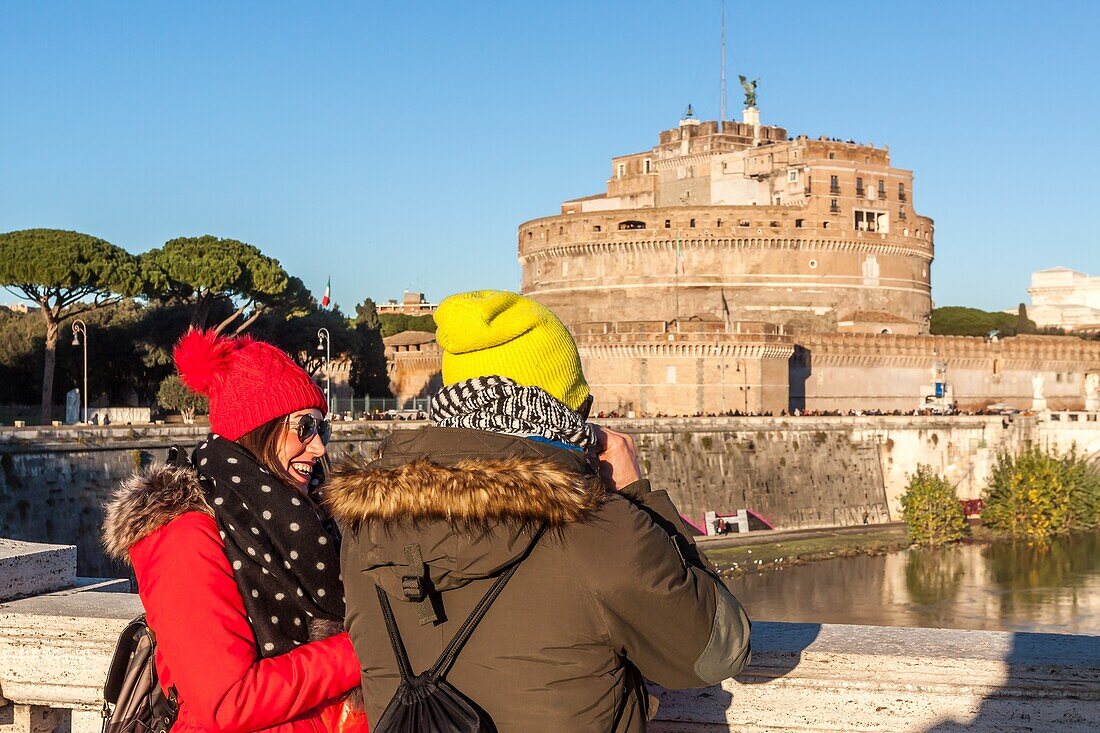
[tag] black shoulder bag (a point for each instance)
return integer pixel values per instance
(427, 703)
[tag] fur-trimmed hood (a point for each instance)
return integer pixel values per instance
(467, 478)
(471, 499)
(147, 501)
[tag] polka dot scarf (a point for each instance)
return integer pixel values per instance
(283, 551)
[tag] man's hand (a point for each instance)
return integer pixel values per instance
(618, 458)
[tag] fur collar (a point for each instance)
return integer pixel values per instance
(464, 490)
(147, 501)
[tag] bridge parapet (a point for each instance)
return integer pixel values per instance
(55, 648)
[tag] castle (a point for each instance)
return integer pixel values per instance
(736, 222)
(733, 269)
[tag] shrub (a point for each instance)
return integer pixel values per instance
(931, 509)
(1037, 494)
(174, 395)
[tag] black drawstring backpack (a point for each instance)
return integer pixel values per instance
(133, 699)
(427, 703)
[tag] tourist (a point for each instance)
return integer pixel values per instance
(608, 587)
(236, 565)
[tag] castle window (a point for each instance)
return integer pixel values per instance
(901, 192)
(620, 170)
(647, 165)
(834, 206)
(719, 224)
(632, 224)
(692, 224)
(668, 223)
(530, 234)
(859, 188)
(824, 225)
(792, 176)
(834, 184)
(798, 223)
(871, 221)
(882, 189)
(743, 223)
(901, 215)
(832, 156)
(561, 230)
(597, 228)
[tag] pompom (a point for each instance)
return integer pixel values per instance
(201, 356)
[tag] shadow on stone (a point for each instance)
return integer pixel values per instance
(777, 650)
(1049, 680)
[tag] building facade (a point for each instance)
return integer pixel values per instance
(1064, 298)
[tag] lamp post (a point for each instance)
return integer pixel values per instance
(81, 328)
(324, 343)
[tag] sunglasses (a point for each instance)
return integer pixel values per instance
(307, 426)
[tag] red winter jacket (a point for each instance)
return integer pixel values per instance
(205, 646)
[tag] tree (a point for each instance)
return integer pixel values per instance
(931, 509)
(65, 274)
(392, 323)
(369, 376)
(175, 395)
(207, 271)
(1023, 323)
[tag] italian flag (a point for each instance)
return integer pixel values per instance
(680, 257)
(326, 298)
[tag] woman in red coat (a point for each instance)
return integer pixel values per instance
(237, 567)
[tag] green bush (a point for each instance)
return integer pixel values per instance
(1037, 494)
(932, 510)
(174, 395)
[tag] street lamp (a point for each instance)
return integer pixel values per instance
(324, 343)
(79, 327)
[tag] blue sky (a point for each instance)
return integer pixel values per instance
(398, 145)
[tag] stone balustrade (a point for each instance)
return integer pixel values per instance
(55, 648)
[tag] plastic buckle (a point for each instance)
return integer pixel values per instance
(413, 588)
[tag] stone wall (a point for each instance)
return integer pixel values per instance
(55, 482)
(887, 372)
(795, 472)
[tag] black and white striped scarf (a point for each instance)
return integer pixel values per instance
(499, 405)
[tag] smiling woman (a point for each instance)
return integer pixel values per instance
(236, 563)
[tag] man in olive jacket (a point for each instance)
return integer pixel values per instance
(612, 591)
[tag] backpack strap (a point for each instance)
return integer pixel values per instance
(447, 658)
(120, 661)
(399, 653)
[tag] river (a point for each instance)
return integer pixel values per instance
(1051, 588)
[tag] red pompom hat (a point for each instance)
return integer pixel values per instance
(248, 382)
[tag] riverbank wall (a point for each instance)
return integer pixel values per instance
(795, 472)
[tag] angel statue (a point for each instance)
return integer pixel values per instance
(750, 90)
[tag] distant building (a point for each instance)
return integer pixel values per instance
(414, 362)
(1064, 298)
(20, 308)
(412, 304)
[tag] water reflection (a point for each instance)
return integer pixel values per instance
(1011, 587)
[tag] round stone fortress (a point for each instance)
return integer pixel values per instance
(739, 224)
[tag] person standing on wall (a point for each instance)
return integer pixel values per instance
(236, 563)
(511, 485)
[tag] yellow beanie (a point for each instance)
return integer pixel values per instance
(492, 332)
